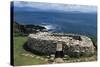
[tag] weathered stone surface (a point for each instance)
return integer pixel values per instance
(38, 57)
(41, 58)
(59, 60)
(46, 60)
(45, 42)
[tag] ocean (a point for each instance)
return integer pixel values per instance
(67, 22)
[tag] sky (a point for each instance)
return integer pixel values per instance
(54, 7)
(82, 2)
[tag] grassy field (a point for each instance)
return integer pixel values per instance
(19, 59)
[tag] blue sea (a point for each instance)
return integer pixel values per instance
(68, 22)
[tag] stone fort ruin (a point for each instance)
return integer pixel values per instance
(61, 44)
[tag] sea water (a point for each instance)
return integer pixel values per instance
(68, 22)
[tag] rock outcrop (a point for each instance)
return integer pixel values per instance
(72, 45)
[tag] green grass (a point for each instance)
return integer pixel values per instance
(94, 40)
(19, 59)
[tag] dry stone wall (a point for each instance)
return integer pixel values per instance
(43, 42)
(42, 46)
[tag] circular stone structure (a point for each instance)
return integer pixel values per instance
(72, 45)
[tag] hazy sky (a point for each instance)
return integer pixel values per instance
(52, 6)
(82, 2)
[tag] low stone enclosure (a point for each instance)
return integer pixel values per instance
(72, 45)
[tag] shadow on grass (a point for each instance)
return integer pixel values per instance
(20, 35)
(25, 46)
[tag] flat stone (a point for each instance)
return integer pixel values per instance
(66, 56)
(52, 55)
(32, 55)
(37, 57)
(41, 58)
(26, 55)
(47, 56)
(59, 60)
(52, 58)
(46, 60)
